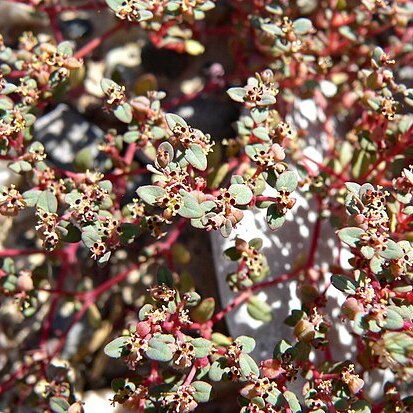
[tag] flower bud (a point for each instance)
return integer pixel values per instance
(281, 167)
(278, 152)
(271, 368)
(236, 216)
(355, 384)
(351, 307)
(72, 63)
(143, 328)
(304, 331)
(308, 293)
(76, 408)
(25, 282)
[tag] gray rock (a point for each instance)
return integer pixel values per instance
(64, 132)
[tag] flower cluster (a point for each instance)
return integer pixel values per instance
(170, 22)
(42, 67)
(93, 254)
(167, 335)
(253, 266)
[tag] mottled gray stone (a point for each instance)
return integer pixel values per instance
(64, 132)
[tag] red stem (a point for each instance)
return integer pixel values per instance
(246, 294)
(315, 238)
(190, 376)
(93, 44)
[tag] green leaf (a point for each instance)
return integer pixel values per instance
(119, 383)
(164, 276)
(237, 94)
(237, 179)
(172, 7)
(261, 133)
(408, 96)
(259, 310)
(131, 136)
(247, 365)
(233, 254)
(106, 185)
(344, 284)
(190, 207)
(168, 148)
(149, 193)
(47, 201)
(302, 26)
(32, 197)
(287, 181)
(108, 85)
(217, 370)
(266, 100)
(71, 198)
(207, 206)
(353, 187)
(377, 54)
(145, 311)
(65, 48)
(158, 350)
(350, 236)
(6, 103)
(292, 401)
(202, 347)
(256, 243)
(226, 229)
(124, 112)
(274, 218)
(360, 162)
(58, 405)
(193, 47)
(221, 339)
(374, 103)
(301, 351)
(114, 4)
(196, 157)
(172, 120)
(391, 251)
(376, 264)
(294, 317)
(405, 123)
(204, 311)
(364, 189)
(8, 265)
(272, 29)
(207, 5)
(394, 320)
(259, 114)
(20, 166)
(8, 88)
(90, 235)
(247, 343)
(347, 32)
(367, 252)
(242, 193)
(361, 406)
(71, 233)
(145, 15)
(104, 258)
(192, 298)
(203, 391)
(217, 176)
(84, 160)
(9, 282)
(116, 347)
